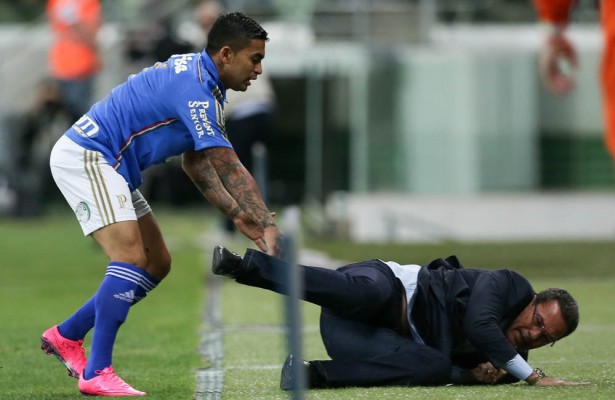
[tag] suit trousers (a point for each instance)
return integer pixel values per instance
(360, 322)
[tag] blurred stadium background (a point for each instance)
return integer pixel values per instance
(423, 99)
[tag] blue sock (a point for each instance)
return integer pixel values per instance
(115, 296)
(147, 284)
(82, 321)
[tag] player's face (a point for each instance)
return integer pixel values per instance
(536, 326)
(244, 65)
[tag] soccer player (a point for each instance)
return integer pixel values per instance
(174, 107)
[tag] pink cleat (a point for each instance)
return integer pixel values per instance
(107, 383)
(70, 352)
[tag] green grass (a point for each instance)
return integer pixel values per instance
(48, 269)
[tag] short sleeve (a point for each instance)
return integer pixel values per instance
(203, 116)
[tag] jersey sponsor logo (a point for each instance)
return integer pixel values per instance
(198, 115)
(180, 64)
(86, 126)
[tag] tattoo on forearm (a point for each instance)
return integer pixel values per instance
(240, 184)
(248, 198)
(209, 184)
(235, 211)
(224, 182)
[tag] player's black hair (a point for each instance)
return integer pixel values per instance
(567, 305)
(235, 30)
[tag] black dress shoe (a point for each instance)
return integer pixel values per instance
(225, 262)
(287, 380)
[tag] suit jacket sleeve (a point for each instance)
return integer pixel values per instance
(496, 299)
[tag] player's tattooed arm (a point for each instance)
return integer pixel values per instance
(204, 176)
(240, 184)
(225, 182)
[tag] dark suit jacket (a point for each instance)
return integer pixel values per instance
(464, 312)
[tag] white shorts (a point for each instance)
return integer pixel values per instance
(93, 189)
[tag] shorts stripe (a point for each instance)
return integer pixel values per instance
(98, 187)
(86, 154)
(106, 192)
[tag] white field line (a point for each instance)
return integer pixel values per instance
(209, 380)
(254, 367)
(266, 328)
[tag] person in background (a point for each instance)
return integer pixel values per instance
(557, 51)
(74, 60)
(175, 107)
(250, 114)
(33, 133)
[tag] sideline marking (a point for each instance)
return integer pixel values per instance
(210, 379)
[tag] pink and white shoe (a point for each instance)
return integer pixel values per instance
(70, 352)
(107, 383)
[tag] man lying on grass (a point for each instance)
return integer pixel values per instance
(383, 323)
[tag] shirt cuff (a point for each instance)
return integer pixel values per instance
(519, 368)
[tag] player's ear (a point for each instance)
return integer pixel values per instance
(226, 54)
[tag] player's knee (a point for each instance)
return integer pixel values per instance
(163, 268)
(132, 256)
(160, 266)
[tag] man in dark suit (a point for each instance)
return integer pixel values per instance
(383, 323)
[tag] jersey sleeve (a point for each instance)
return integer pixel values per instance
(203, 116)
(554, 11)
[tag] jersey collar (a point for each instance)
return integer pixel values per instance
(208, 65)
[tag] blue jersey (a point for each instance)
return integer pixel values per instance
(163, 111)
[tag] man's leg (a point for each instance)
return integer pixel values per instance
(65, 340)
(364, 354)
(145, 261)
(358, 290)
(125, 278)
(140, 259)
(158, 265)
(125, 283)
